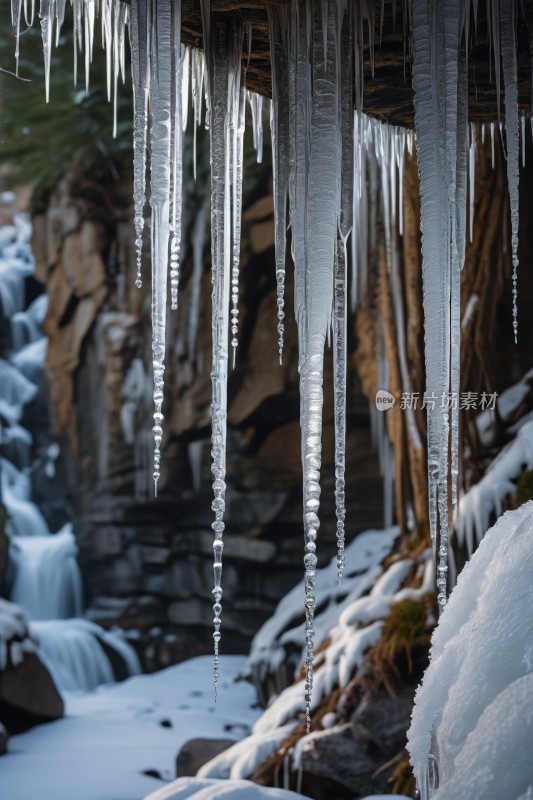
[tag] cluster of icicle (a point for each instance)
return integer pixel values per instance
(322, 169)
(440, 34)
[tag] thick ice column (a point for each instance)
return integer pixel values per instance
(436, 29)
(314, 207)
(161, 84)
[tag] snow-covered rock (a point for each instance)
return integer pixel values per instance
(472, 724)
(205, 789)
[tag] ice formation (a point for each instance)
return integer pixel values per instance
(324, 159)
(474, 711)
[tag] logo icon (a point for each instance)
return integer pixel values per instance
(384, 400)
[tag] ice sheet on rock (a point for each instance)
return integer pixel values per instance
(475, 697)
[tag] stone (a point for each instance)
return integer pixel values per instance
(197, 752)
(3, 740)
(28, 695)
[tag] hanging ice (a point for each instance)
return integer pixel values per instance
(279, 30)
(508, 18)
(345, 222)
(314, 206)
(140, 28)
(224, 76)
(436, 30)
(177, 154)
(161, 82)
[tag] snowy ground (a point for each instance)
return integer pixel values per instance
(111, 737)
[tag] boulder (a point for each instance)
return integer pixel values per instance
(197, 752)
(28, 695)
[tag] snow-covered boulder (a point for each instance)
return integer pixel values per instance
(203, 789)
(27, 692)
(472, 725)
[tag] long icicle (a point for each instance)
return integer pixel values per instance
(508, 15)
(437, 29)
(140, 69)
(345, 222)
(315, 198)
(161, 81)
(279, 125)
(177, 156)
(237, 124)
(223, 68)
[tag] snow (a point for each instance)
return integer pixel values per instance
(14, 632)
(473, 713)
(487, 496)
(203, 789)
(363, 557)
(111, 737)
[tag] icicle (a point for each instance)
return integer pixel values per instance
(314, 202)
(279, 125)
(256, 106)
(458, 257)
(197, 83)
(436, 31)
(198, 242)
(508, 15)
(345, 89)
(237, 152)
(89, 38)
(161, 81)
(140, 49)
(223, 67)
(47, 22)
(177, 156)
(15, 21)
(472, 178)
(523, 121)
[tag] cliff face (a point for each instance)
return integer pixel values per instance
(147, 563)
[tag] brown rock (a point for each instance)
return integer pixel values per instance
(28, 695)
(197, 752)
